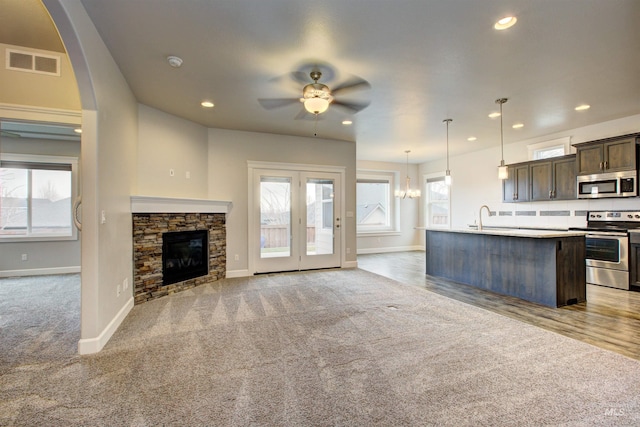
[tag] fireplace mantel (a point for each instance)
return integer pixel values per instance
(152, 204)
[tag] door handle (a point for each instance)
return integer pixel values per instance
(76, 204)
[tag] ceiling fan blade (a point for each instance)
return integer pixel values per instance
(300, 77)
(356, 83)
(271, 103)
(353, 107)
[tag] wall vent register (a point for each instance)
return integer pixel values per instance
(32, 62)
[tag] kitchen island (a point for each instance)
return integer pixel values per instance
(542, 266)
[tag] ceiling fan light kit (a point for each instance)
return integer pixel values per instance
(317, 97)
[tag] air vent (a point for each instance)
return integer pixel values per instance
(33, 62)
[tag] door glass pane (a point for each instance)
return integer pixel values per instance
(320, 222)
(275, 217)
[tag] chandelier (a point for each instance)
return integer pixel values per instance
(408, 191)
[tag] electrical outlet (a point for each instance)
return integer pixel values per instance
(118, 291)
(125, 284)
(187, 175)
(24, 257)
(237, 257)
(103, 217)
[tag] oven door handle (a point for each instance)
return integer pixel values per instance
(607, 234)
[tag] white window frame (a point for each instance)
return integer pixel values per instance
(536, 151)
(440, 176)
(32, 158)
(394, 206)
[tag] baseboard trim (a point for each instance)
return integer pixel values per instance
(40, 271)
(390, 249)
(350, 264)
(94, 345)
(237, 273)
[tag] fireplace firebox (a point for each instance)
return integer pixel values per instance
(185, 255)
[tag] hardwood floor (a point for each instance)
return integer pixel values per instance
(610, 318)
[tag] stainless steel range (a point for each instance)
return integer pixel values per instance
(607, 243)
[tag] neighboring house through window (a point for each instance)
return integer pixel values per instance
(375, 203)
(36, 196)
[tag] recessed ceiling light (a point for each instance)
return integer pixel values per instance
(347, 122)
(583, 107)
(506, 22)
(494, 115)
(471, 138)
(207, 104)
(77, 130)
(518, 126)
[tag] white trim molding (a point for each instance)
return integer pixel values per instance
(152, 204)
(94, 345)
(390, 249)
(40, 271)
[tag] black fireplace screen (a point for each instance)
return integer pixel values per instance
(185, 255)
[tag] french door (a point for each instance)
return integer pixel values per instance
(296, 220)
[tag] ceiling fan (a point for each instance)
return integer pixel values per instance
(316, 97)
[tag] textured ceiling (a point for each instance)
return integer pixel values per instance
(426, 60)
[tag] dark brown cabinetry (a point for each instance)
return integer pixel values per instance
(516, 187)
(553, 179)
(546, 270)
(607, 155)
(634, 261)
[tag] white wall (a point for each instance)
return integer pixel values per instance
(42, 257)
(108, 162)
(167, 142)
(407, 237)
(229, 152)
(475, 182)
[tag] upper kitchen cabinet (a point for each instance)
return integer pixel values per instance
(553, 179)
(607, 155)
(516, 187)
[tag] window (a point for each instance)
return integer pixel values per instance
(437, 199)
(546, 153)
(548, 149)
(375, 204)
(36, 194)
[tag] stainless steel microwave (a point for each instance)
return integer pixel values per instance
(610, 184)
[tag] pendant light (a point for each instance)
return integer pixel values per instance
(447, 176)
(503, 170)
(408, 191)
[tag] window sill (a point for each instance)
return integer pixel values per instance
(37, 239)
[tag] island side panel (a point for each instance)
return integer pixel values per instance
(572, 275)
(517, 266)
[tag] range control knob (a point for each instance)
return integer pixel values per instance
(629, 216)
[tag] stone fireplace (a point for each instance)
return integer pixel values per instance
(182, 223)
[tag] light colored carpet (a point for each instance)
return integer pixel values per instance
(322, 348)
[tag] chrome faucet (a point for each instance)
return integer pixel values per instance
(480, 216)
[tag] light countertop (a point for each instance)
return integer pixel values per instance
(513, 232)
